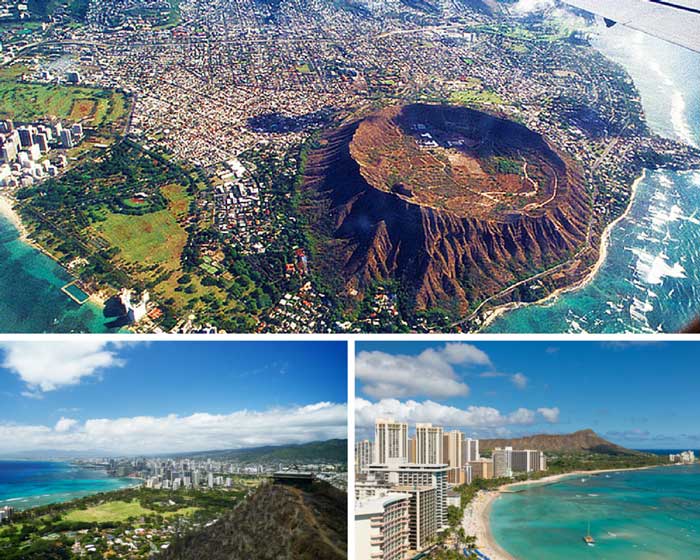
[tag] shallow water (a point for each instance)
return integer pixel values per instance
(634, 515)
(31, 300)
(26, 484)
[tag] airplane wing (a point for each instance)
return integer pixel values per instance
(675, 21)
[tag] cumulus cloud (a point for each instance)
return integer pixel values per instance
(474, 417)
(65, 424)
(175, 434)
(519, 380)
(551, 415)
(431, 373)
(47, 366)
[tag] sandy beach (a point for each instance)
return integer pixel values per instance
(476, 522)
(8, 211)
(602, 256)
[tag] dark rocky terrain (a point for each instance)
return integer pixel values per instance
(277, 522)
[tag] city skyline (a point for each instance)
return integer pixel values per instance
(512, 389)
(169, 397)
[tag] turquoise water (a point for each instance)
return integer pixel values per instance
(26, 484)
(31, 300)
(650, 280)
(636, 515)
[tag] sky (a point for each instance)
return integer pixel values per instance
(639, 395)
(155, 397)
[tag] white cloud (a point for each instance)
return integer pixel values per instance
(474, 417)
(65, 424)
(527, 6)
(551, 415)
(519, 380)
(47, 366)
(431, 373)
(174, 434)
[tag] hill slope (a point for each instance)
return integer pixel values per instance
(331, 451)
(454, 215)
(276, 523)
(581, 441)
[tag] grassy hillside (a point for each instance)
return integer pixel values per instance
(331, 451)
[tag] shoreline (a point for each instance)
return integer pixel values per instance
(603, 249)
(8, 211)
(477, 514)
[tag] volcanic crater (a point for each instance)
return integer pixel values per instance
(454, 203)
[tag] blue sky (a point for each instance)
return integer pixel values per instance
(172, 395)
(641, 395)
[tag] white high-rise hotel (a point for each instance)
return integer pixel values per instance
(390, 442)
(428, 444)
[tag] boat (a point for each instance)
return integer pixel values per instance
(588, 539)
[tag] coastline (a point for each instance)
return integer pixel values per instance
(477, 513)
(8, 211)
(603, 248)
(45, 495)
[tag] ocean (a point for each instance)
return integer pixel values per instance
(633, 515)
(650, 281)
(31, 300)
(27, 484)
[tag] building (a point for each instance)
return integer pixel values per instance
(460, 475)
(470, 450)
(412, 449)
(293, 478)
(452, 448)
(454, 499)
(408, 474)
(390, 441)
(422, 514)
(6, 514)
(364, 453)
(134, 311)
(369, 488)
(67, 138)
(483, 468)
(429, 444)
(527, 461)
(502, 466)
(382, 527)
(684, 457)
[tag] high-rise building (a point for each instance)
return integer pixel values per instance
(25, 135)
(412, 449)
(364, 453)
(527, 461)
(422, 515)
(417, 475)
(382, 527)
(470, 450)
(66, 138)
(502, 462)
(483, 468)
(452, 449)
(428, 444)
(460, 475)
(390, 441)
